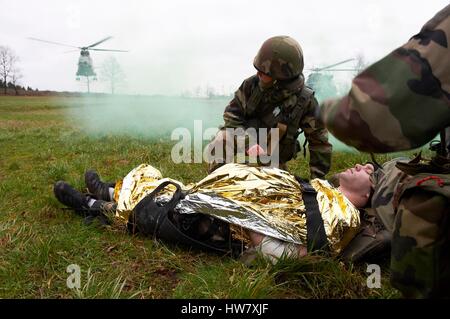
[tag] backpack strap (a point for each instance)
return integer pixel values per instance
(147, 215)
(157, 220)
(291, 117)
(315, 230)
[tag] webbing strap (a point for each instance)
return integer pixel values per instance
(281, 132)
(315, 230)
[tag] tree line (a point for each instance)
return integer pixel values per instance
(10, 73)
(10, 86)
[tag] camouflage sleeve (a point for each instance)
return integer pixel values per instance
(402, 101)
(318, 145)
(234, 115)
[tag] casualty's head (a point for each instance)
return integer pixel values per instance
(356, 183)
(280, 59)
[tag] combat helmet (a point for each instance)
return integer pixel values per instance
(280, 57)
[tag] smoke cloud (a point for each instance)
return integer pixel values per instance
(151, 116)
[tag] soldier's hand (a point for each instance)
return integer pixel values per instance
(256, 150)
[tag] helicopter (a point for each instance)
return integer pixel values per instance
(85, 65)
(322, 82)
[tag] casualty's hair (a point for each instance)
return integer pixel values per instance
(334, 180)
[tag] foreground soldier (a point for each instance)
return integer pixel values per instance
(400, 103)
(276, 97)
(234, 207)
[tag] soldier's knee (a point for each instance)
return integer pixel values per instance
(425, 204)
(420, 245)
(421, 217)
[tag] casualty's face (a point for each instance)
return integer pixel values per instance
(356, 182)
(357, 177)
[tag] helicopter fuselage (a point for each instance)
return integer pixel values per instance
(85, 67)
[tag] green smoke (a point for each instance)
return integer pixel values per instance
(145, 116)
(150, 116)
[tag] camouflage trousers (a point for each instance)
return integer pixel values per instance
(420, 257)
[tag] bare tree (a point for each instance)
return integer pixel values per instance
(210, 91)
(198, 91)
(15, 77)
(112, 72)
(361, 63)
(8, 60)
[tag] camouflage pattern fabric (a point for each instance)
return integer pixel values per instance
(402, 101)
(420, 258)
(386, 180)
(280, 57)
(416, 210)
(290, 103)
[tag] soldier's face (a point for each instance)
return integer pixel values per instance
(355, 183)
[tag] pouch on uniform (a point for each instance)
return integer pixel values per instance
(371, 244)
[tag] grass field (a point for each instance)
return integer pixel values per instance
(39, 145)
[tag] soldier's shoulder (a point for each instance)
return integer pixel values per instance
(251, 80)
(249, 83)
(306, 94)
(308, 90)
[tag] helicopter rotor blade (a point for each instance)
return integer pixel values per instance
(97, 43)
(70, 51)
(51, 42)
(330, 66)
(110, 50)
(340, 70)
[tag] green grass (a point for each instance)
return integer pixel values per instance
(38, 239)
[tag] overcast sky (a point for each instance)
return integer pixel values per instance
(178, 45)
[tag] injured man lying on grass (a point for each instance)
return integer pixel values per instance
(239, 210)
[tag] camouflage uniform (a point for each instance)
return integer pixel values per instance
(288, 102)
(416, 209)
(399, 103)
(386, 104)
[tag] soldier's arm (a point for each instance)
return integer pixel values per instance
(319, 147)
(234, 114)
(402, 101)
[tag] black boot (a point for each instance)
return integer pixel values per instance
(102, 211)
(72, 198)
(95, 186)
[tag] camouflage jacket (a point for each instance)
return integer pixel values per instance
(387, 181)
(402, 101)
(296, 107)
(390, 183)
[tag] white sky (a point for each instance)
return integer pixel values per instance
(178, 45)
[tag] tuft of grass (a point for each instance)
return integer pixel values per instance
(320, 277)
(14, 166)
(57, 172)
(230, 279)
(95, 288)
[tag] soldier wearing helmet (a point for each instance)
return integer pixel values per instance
(280, 58)
(276, 97)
